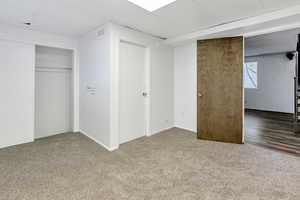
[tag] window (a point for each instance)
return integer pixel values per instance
(250, 75)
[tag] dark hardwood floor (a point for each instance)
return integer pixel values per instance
(272, 130)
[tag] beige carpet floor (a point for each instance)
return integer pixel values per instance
(172, 165)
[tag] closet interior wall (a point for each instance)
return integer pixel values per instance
(53, 91)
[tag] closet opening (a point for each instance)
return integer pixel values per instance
(53, 91)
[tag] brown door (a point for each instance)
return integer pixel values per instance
(220, 89)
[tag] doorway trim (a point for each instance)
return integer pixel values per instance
(115, 89)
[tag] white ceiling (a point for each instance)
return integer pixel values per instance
(283, 41)
(76, 17)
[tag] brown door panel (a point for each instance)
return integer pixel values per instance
(220, 89)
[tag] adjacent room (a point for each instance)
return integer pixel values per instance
(271, 91)
(146, 99)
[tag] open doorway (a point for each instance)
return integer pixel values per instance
(53, 91)
(271, 91)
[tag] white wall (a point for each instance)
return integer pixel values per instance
(162, 89)
(95, 73)
(25, 35)
(275, 84)
(14, 41)
(185, 87)
(53, 103)
(17, 93)
(49, 57)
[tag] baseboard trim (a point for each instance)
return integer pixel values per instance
(190, 130)
(162, 130)
(268, 111)
(98, 142)
(52, 134)
(16, 144)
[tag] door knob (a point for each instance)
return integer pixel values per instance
(199, 95)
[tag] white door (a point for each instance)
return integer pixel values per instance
(132, 86)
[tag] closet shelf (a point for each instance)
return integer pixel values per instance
(53, 69)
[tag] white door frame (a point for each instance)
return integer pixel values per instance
(115, 101)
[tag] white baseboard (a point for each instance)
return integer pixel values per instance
(2, 146)
(185, 129)
(162, 130)
(148, 135)
(98, 142)
(50, 134)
